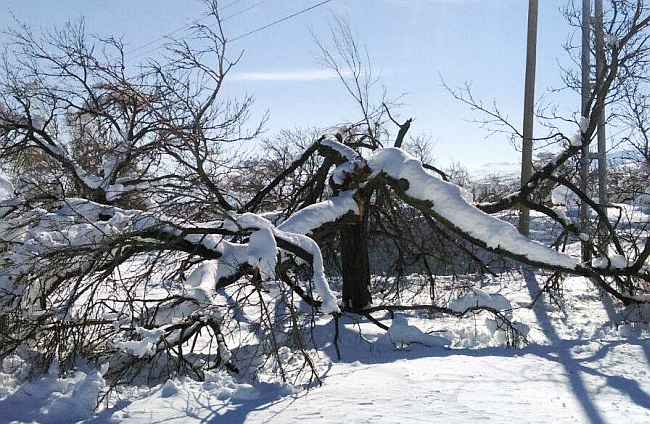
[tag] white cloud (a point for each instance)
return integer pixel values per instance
(431, 2)
(287, 75)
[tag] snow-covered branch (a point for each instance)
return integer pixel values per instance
(444, 201)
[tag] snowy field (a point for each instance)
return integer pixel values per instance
(576, 368)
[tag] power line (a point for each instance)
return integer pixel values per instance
(231, 16)
(236, 14)
(244, 10)
(162, 37)
(186, 27)
(280, 20)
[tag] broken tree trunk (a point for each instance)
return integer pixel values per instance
(355, 266)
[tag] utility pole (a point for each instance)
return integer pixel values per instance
(584, 110)
(603, 240)
(592, 89)
(529, 109)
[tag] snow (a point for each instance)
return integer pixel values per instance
(577, 369)
(529, 387)
(642, 200)
(6, 189)
(116, 191)
(576, 139)
(448, 202)
(401, 334)
(477, 297)
(563, 196)
(203, 275)
(246, 220)
(327, 296)
(613, 261)
(49, 399)
(144, 347)
(77, 223)
(611, 40)
(92, 181)
(262, 252)
(352, 163)
(562, 216)
(495, 332)
(169, 389)
(314, 216)
(341, 172)
(345, 151)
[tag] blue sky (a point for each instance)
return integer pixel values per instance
(412, 43)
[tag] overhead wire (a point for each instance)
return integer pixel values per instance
(244, 10)
(300, 12)
(130, 55)
(280, 20)
(229, 17)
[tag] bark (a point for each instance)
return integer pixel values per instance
(355, 266)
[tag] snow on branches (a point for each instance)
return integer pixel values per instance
(445, 200)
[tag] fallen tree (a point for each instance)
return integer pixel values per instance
(130, 245)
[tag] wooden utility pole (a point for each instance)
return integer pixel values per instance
(603, 239)
(529, 110)
(584, 110)
(592, 86)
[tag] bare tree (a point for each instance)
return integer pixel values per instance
(127, 168)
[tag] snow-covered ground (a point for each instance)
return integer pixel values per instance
(577, 368)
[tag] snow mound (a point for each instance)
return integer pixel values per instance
(401, 335)
(477, 297)
(6, 189)
(496, 331)
(53, 399)
(169, 389)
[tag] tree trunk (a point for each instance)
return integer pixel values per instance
(355, 266)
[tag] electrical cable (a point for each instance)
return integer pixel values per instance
(130, 54)
(279, 20)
